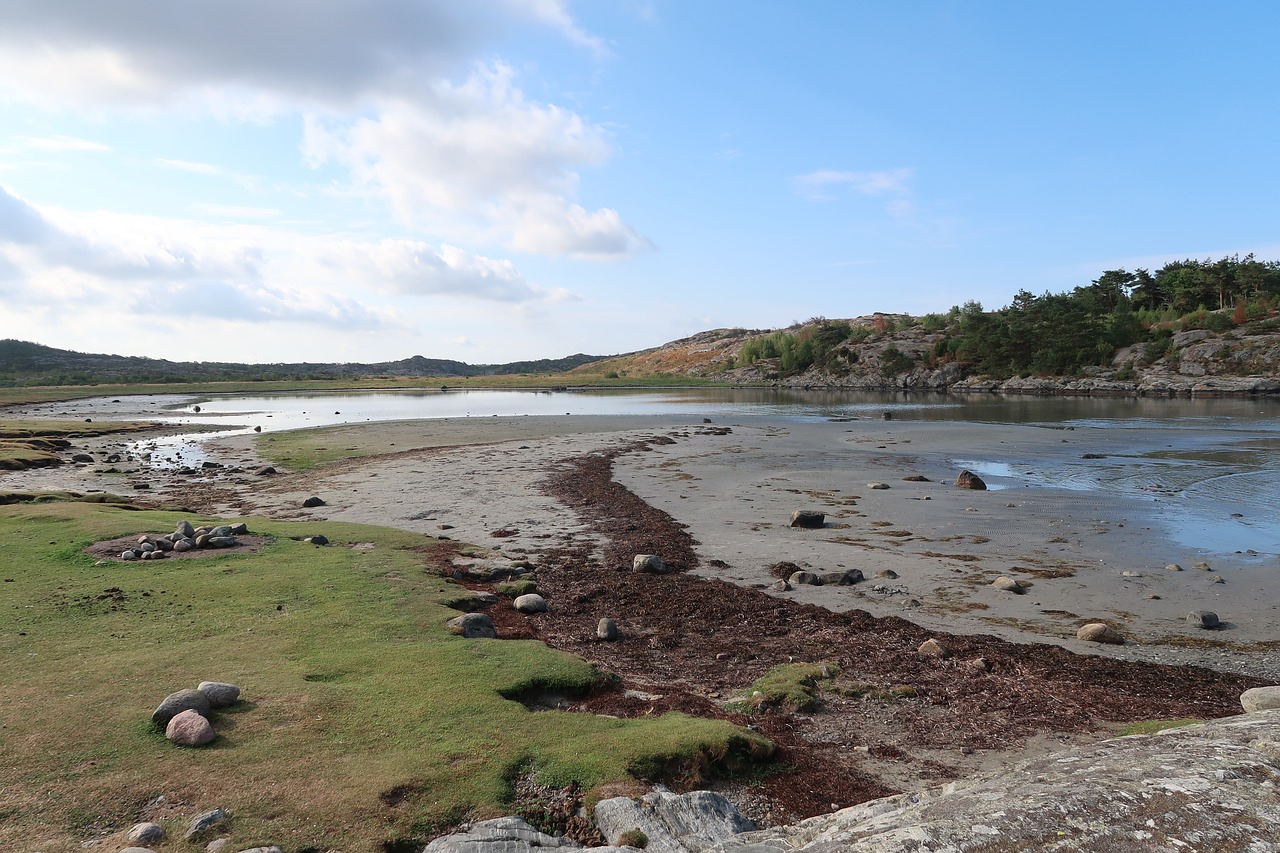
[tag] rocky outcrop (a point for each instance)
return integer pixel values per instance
(1205, 787)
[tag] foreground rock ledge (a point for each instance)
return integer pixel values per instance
(1210, 786)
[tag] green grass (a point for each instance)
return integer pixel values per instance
(354, 689)
(1150, 727)
(790, 685)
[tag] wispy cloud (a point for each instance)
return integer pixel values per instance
(892, 184)
(193, 167)
(62, 143)
(231, 211)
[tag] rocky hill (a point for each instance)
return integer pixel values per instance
(893, 352)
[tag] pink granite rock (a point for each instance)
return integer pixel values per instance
(189, 729)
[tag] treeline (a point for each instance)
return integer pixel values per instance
(1053, 334)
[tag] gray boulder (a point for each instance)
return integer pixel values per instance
(966, 479)
(807, 518)
(202, 823)
(185, 530)
(146, 833)
(176, 703)
(650, 563)
(499, 835)
(530, 603)
(844, 577)
(473, 626)
(1007, 584)
(607, 630)
(1099, 632)
(219, 693)
(1206, 619)
(312, 501)
(1260, 699)
(673, 823)
(1203, 782)
(802, 578)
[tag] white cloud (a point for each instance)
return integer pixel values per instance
(164, 270)
(478, 161)
(413, 267)
(893, 184)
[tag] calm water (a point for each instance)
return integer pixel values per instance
(1209, 467)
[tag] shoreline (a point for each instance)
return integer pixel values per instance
(1081, 555)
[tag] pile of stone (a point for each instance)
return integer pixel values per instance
(184, 715)
(185, 537)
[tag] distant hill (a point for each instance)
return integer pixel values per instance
(25, 363)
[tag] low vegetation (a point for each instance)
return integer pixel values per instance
(790, 685)
(365, 721)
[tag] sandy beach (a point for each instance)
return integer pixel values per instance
(928, 551)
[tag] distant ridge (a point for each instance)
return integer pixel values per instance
(26, 363)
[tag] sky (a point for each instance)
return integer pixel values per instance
(499, 180)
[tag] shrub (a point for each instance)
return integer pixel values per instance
(633, 838)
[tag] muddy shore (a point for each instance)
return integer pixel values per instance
(579, 496)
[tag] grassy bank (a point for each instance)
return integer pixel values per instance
(364, 720)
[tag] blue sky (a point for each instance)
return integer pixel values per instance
(364, 180)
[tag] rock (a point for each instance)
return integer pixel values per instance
(887, 573)
(1007, 584)
(128, 555)
(82, 457)
(220, 531)
(1205, 782)
(607, 630)
(239, 529)
(878, 486)
(189, 728)
(312, 501)
(499, 835)
(530, 602)
(781, 586)
(136, 850)
(1202, 566)
(807, 518)
(264, 471)
(176, 703)
(915, 478)
(844, 577)
(1203, 619)
(966, 479)
(1218, 579)
(183, 545)
(1099, 632)
(185, 530)
(221, 542)
(1129, 574)
(319, 539)
(219, 693)
(1173, 567)
(931, 648)
(145, 547)
(1260, 699)
(217, 845)
(163, 545)
(649, 563)
(202, 823)
(146, 833)
(673, 823)
(473, 626)
(202, 540)
(809, 578)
